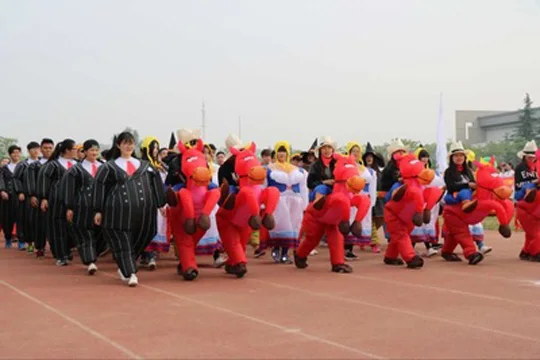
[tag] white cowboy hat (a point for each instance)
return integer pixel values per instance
(325, 141)
(456, 148)
(233, 141)
(187, 135)
(396, 145)
(529, 149)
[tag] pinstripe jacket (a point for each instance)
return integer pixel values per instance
(20, 177)
(8, 184)
(32, 176)
(77, 187)
(48, 188)
(128, 201)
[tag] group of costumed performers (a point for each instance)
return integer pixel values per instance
(137, 208)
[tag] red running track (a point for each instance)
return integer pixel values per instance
(445, 310)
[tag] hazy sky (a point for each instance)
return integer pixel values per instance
(292, 69)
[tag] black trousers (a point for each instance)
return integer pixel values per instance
(90, 243)
(127, 246)
(9, 215)
(38, 228)
(60, 237)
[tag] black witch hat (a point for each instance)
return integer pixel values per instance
(376, 157)
(305, 154)
(172, 141)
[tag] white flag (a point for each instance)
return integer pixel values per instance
(441, 152)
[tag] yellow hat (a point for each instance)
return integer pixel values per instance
(284, 144)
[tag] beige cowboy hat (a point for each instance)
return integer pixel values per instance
(456, 148)
(233, 141)
(396, 145)
(325, 141)
(187, 135)
(529, 149)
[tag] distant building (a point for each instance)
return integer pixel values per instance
(480, 127)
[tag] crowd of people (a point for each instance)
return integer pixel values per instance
(78, 196)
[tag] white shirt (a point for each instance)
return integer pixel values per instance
(87, 165)
(43, 160)
(11, 167)
(122, 163)
(65, 162)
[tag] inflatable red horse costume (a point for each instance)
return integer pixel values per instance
(492, 196)
(528, 214)
(191, 206)
(410, 205)
(329, 214)
(243, 209)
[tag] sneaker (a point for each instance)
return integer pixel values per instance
(124, 279)
(220, 261)
(8, 244)
(62, 262)
(350, 256)
(313, 252)
(259, 252)
(276, 254)
(375, 249)
(21, 245)
(152, 264)
(431, 252)
(30, 248)
(133, 281)
(92, 268)
(485, 249)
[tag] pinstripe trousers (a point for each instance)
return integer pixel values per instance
(89, 243)
(59, 235)
(127, 246)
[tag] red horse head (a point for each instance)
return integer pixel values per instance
(247, 166)
(413, 171)
(346, 173)
(489, 184)
(194, 164)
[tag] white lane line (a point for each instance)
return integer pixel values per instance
(451, 291)
(401, 311)
(259, 321)
(68, 318)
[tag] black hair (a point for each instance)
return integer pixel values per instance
(90, 143)
(32, 145)
(163, 149)
(46, 141)
(213, 147)
(146, 153)
(424, 154)
(266, 152)
(220, 153)
(61, 148)
(281, 149)
(13, 148)
(105, 154)
(455, 174)
(124, 136)
(273, 154)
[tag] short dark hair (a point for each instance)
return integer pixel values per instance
(266, 152)
(220, 153)
(13, 148)
(46, 141)
(32, 145)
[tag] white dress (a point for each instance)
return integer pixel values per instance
(428, 232)
(160, 243)
(292, 185)
(210, 242)
(370, 189)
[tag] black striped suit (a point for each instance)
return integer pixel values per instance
(20, 182)
(37, 219)
(9, 207)
(128, 205)
(78, 186)
(48, 188)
